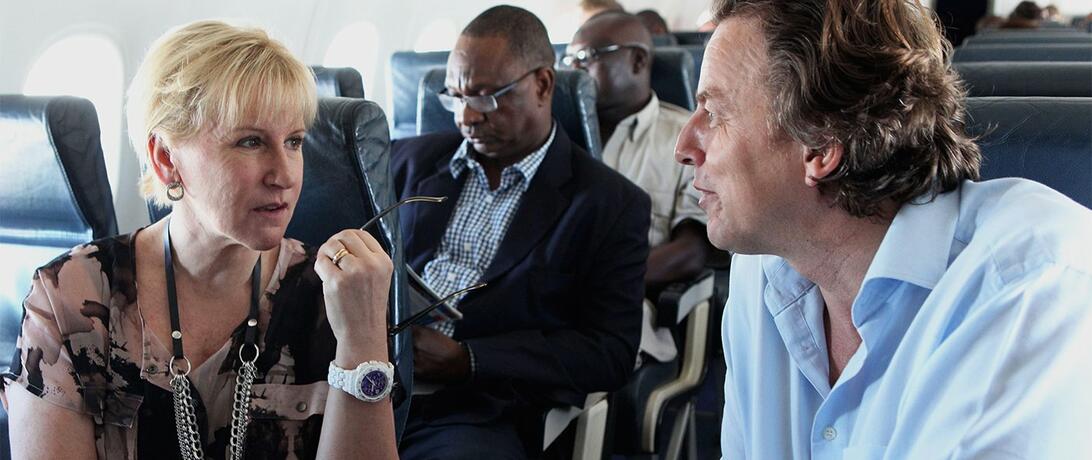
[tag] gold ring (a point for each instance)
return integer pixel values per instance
(340, 254)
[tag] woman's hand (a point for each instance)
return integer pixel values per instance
(356, 291)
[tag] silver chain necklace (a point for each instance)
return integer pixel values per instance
(185, 417)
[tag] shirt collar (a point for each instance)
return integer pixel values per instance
(644, 119)
(915, 249)
(527, 167)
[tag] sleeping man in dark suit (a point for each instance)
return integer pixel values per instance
(560, 239)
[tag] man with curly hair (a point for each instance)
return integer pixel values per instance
(883, 302)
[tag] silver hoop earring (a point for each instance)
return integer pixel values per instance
(175, 192)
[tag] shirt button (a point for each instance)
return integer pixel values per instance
(451, 277)
(489, 198)
(467, 247)
(301, 407)
(829, 433)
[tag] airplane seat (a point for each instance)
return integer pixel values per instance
(407, 69)
(654, 414)
(1045, 139)
(338, 82)
(54, 195)
(1057, 79)
(573, 108)
(697, 53)
(347, 181)
(664, 40)
(672, 76)
(692, 38)
(1055, 52)
(1027, 37)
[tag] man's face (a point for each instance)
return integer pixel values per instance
(479, 66)
(751, 177)
(613, 71)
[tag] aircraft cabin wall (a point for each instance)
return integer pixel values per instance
(92, 48)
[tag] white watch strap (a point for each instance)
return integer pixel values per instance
(349, 381)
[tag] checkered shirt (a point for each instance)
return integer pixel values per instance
(478, 224)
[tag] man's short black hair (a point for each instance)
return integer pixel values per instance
(653, 21)
(524, 32)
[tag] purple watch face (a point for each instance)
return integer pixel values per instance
(373, 383)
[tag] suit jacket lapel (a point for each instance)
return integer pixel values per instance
(430, 220)
(542, 204)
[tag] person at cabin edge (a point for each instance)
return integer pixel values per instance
(560, 238)
(121, 334)
(639, 131)
(883, 304)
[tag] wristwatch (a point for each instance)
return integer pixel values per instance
(371, 381)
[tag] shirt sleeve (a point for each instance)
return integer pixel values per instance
(62, 312)
(1011, 381)
(686, 200)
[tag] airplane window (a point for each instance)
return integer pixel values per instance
(356, 46)
(438, 35)
(87, 66)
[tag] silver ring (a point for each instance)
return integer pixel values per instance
(170, 365)
(256, 353)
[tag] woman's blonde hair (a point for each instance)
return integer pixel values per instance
(211, 75)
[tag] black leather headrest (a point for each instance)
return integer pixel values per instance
(573, 107)
(338, 82)
(1066, 79)
(345, 177)
(53, 185)
(407, 69)
(673, 76)
(692, 38)
(346, 181)
(1044, 139)
(1024, 52)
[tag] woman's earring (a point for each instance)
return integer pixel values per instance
(175, 192)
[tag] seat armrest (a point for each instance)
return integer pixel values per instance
(677, 300)
(559, 418)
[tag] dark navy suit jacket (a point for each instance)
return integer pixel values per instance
(561, 316)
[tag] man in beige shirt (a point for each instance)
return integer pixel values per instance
(639, 133)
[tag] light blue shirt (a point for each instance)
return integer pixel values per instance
(976, 324)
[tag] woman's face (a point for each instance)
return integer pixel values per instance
(242, 182)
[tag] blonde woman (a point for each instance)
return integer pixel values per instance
(208, 333)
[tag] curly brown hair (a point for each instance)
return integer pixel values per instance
(875, 76)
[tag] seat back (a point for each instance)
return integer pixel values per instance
(346, 181)
(673, 76)
(1064, 79)
(1081, 52)
(697, 54)
(407, 70)
(573, 108)
(54, 195)
(1044, 139)
(664, 40)
(692, 37)
(1028, 37)
(338, 82)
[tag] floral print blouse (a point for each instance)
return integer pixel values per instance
(83, 347)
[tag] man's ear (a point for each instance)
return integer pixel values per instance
(159, 156)
(544, 85)
(822, 162)
(641, 60)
